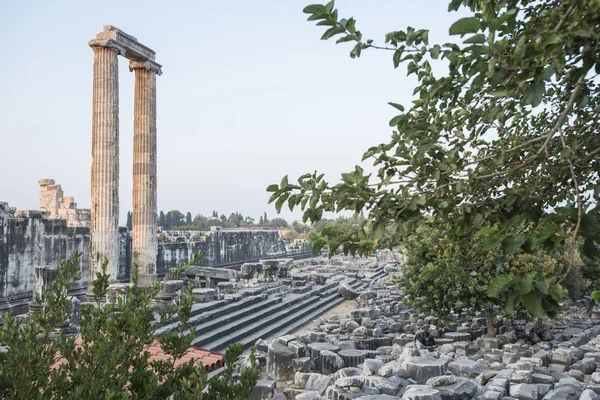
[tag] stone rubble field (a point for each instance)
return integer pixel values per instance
(372, 354)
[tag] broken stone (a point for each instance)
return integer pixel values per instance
(318, 383)
(421, 392)
(423, 368)
(280, 362)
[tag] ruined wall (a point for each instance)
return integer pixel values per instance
(54, 202)
(221, 248)
(28, 238)
(31, 238)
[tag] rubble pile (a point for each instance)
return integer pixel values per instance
(385, 350)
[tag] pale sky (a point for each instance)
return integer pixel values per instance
(248, 94)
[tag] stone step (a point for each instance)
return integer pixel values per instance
(282, 323)
(241, 326)
(208, 311)
(213, 322)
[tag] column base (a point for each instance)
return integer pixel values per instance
(146, 279)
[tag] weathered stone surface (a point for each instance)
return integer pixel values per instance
(392, 386)
(466, 368)
(524, 391)
(318, 383)
(308, 395)
(422, 368)
(587, 366)
(104, 224)
(329, 362)
(347, 292)
(371, 366)
(280, 362)
(421, 392)
(303, 364)
(589, 395)
(263, 390)
(462, 389)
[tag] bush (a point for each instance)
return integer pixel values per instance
(110, 362)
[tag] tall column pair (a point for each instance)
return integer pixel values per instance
(105, 164)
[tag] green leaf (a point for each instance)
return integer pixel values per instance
(524, 284)
(533, 303)
(273, 188)
(397, 106)
(510, 302)
(486, 231)
(280, 202)
(332, 32)
(314, 8)
(394, 121)
(465, 25)
(512, 245)
(435, 51)
(397, 56)
(535, 93)
(596, 296)
(499, 284)
(284, 182)
(550, 305)
(476, 39)
(557, 292)
(541, 286)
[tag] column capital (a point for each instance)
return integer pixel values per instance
(108, 43)
(147, 65)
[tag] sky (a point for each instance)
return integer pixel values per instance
(248, 94)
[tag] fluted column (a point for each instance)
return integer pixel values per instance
(104, 230)
(143, 220)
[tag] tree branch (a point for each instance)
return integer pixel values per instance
(559, 123)
(579, 215)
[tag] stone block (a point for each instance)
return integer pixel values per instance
(318, 383)
(280, 362)
(421, 392)
(467, 368)
(524, 391)
(263, 390)
(423, 368)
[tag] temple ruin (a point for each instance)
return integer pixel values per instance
(107, 46)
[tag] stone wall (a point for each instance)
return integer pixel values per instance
(54, 202)
(220, 247)
(29, 238)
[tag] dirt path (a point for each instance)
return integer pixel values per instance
(343, 309)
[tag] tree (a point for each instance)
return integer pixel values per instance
(508, 135)
(129, 223)
(447, 273)
(300, 228)
(290, 236)
(161, 219)
(110, 361)
(265, 219)
(188, 218)
(261, 221)
(278, 223)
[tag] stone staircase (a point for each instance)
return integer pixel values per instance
(261, 313)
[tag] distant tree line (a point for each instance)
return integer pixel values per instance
(177, 220)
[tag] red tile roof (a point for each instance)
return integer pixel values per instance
(210, 360)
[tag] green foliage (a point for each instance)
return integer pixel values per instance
(447, 273)
(110, 362)
(505, 139)
(290, 236)
(538, 294)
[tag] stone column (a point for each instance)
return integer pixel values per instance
(143, 220)
(104, 230)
